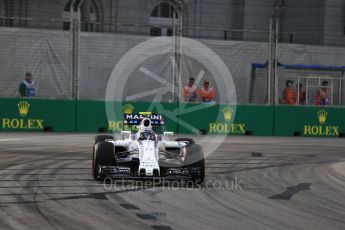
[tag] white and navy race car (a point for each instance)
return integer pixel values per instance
(146, 154)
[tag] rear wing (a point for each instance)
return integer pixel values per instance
(157, 120)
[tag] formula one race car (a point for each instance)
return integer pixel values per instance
(147, 155)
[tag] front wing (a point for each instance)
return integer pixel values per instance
(125, 173)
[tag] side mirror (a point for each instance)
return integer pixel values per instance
(167, 135)
(126, 135)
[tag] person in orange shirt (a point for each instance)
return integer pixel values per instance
(302, 95)
(207, 93)
(189, 91)
(289, 95)
(322, 97)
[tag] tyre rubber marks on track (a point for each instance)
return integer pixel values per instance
(160, 227)
(254, 154)
(129, 207)
(147, 217)
(291, 191)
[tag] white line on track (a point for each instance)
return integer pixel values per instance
(40, 137)
(12, 139)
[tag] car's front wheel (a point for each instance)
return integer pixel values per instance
(103, 156)
(102, 138)
(98, 139)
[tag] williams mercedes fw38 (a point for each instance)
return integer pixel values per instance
(146, 154)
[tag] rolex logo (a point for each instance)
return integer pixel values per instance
(227, 113)
(128, 109)
(23, 107)
(322, 115)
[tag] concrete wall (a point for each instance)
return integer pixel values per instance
(306, 19)
(310, 22)
(256, 18)
(334, 32)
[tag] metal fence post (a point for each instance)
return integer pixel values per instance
(75, 47)
(269, 78)
(173, 57)
(179, 80)
(75, 57)
(73, 50)
(276, 40)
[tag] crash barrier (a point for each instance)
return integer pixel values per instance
(180, 118)
(90, 116)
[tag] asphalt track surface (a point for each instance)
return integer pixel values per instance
(268, 183)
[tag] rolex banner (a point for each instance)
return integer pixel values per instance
(230, 120)
(309, 121)
(24, 114)
(37, 115)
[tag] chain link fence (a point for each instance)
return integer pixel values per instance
(306, 82)
(44, 53)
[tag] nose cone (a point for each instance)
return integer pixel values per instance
(149, 172)
(149, 158)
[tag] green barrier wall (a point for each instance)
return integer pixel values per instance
(258, 119)
(183, 118)
(37, 115)
(309, 121)
(249, 120)
(90, 116)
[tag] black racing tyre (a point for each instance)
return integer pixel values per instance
(101, 138)
(195, 158)
(98, 138)
(189, 141)
(103, 155)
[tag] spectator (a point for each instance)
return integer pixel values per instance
(207, 93)
(27, 87)
(289, 95)
(189, 91)
(301, 95)
(322, 97)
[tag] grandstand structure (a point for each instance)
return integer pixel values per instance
(67, 44)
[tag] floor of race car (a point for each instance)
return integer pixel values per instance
(251, 183)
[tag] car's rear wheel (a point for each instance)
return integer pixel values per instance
(103, 156)
(195, 159)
